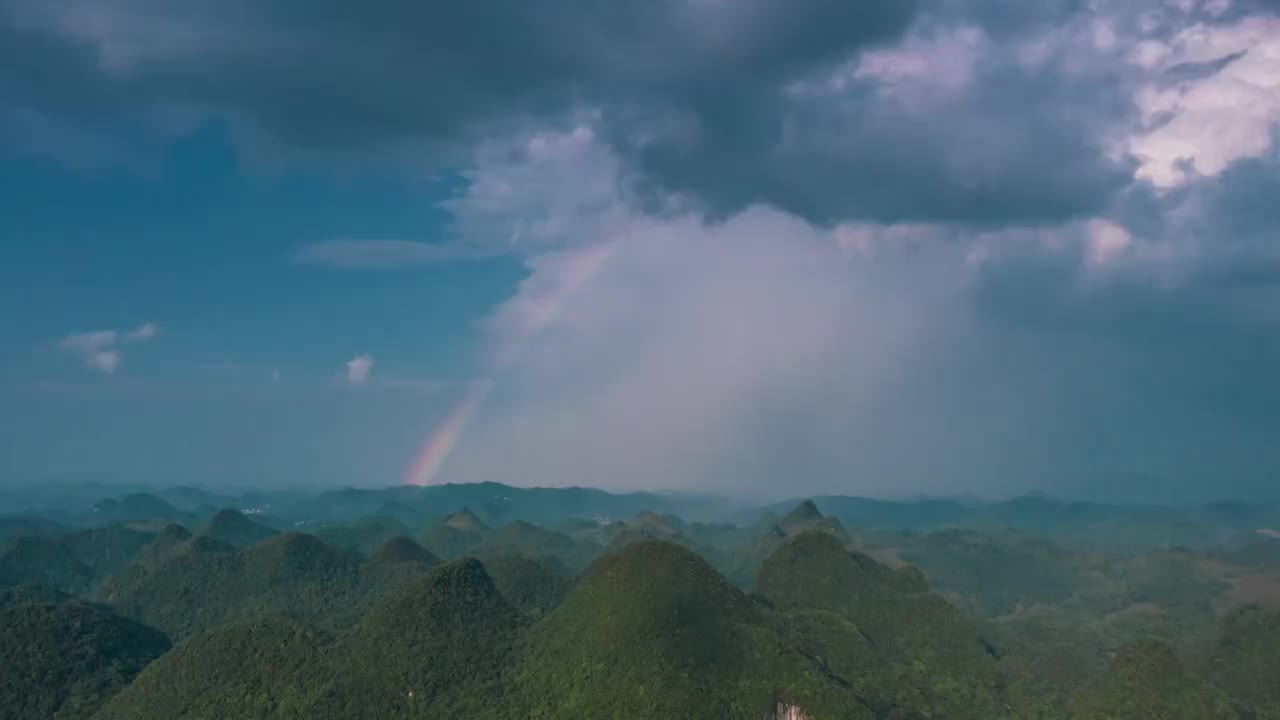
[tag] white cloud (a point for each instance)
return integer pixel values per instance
(88, 342)
(1199, 126)
(104, 360)
(359, 368)
(942, 61)
(541, 191)
(100, 349)
(142, 333)
(1105, 241)
(537, 191)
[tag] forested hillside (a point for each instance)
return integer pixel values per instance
(792, 614)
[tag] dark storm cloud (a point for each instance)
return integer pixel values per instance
(1134, 390)
(338, 72)
(696, 93)
(1211, 276)
(1009, 151)
(1241, 204)
(1158, 375)
(1246, 7)
(1020, 143)
(726, 103)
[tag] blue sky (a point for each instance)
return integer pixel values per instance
(195, 244)
(191, 242)
(938, 246)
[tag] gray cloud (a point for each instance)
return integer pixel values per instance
(700, 95)
(979, 112)
(320, 73)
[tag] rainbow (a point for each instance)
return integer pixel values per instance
(539, 311)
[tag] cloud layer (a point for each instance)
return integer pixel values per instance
(985, 113)
(100, 350)
(359, 368)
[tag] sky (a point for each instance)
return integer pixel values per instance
(761, 247)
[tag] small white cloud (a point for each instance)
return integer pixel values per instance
(100, 349)
(358, 369)
(142, 333)
(1105, 241)
(88, 342)
(104, 360)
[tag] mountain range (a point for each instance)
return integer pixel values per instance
(465, 607)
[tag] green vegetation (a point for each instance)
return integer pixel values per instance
(1047, 655)
(135, 508)
(13, 527)
(1246, 660)
(901, 647)
(652, 631)
(62, 660)
(996, 573)
(531, 586)
(1147, 682)
(457, 535)
(365, 534)
(806, 516)
(553, 549)
(32, 595)
(404, 550)
(44, 561)
(291, 573)
(232, 527)
(270, 667)
(437, 646)
(466, 521)
(647, 617)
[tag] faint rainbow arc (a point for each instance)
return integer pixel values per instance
(433, 455)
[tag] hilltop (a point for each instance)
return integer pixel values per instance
(466, 521)
(289, 573)
(532, 586)
(364, 535)
(456, 535)
(869, 621)
(403, 550)
(653, 631)
(436, 646)
(232, 527)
